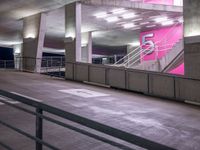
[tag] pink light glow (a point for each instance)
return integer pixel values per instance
(180, 70)
(165, 2)
(162, 2)
(163, 45)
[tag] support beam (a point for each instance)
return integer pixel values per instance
(87, 47)
(73, 32)
(17, 56)
(192, 38)
(133, 5)
(34, 29)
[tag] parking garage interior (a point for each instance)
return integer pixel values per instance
(99, 75)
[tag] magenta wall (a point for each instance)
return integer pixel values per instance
(166, 2)
(180, 70)
(164, 39)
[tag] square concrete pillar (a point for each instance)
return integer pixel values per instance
(73, 32)
(34, 28)
(86, 53)
(192, 38)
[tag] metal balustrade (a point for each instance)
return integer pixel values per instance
(7, 64)
(45, 64)
(131, 59)
(39, 114)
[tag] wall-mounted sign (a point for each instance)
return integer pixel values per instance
(148, 45)
(156, 43)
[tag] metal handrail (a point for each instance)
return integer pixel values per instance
(40, 108)
(138, 53)
(140, 47)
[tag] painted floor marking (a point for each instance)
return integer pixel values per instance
(84, 93)
(9, 101)
(34, 99)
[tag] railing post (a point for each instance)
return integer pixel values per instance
(39, 128)
(51, 61)
(4, 64)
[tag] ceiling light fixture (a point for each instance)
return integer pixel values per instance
(119, 23)
(180, 20)
(9, 43)
(167, 23)
(139, 19)
(144, 23)
(128, 25)
(134, 44)
(128, 15)
(101, 15)
(119, 11)
(160, 19)
(151, 26)
(112, 19)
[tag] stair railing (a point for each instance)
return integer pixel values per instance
(126, 59)
(127, 64)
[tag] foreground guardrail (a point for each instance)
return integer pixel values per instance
(38, 138)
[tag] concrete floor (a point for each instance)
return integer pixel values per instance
(170, 123)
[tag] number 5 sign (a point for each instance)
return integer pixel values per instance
(148, 46)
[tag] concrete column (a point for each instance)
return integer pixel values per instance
(34, 29)
(192, 38)
(73, 32)
(17, 56)
(87, 47)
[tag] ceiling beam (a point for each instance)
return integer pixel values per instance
(133, 5)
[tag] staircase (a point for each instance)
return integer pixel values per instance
(161, 64)
(167, 54)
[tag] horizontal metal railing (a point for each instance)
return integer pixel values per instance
(105, 129)
(7, 64)
(46, 64)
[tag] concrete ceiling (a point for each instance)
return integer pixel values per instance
(13, 11)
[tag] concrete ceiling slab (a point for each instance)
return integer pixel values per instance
(13, 11)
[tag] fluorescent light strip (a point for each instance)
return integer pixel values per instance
(119, 23)
(144, 23)
(160, 19)
(150, 26)
(112, 19)
(139, 19)
(101, 15)
(137, 28)
(166, 23)
(119, 11)
(128, 15)
(128, 25)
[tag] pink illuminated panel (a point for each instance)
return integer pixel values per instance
(180, 70)
(165, 2)
(159, 41)
(162, 2)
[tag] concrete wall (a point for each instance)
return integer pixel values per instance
(192, 39)
(34, 28)
(150, 83)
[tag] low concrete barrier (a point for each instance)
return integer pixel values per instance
(150, 83)
(81, 72)
(116, 77)
(161, 85)
(69, 71)
(137, 81)
(187, 89)
(97, 74)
